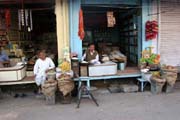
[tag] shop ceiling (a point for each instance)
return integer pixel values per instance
(95, 15)
(28, 4)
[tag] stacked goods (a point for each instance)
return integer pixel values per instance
(149, 60)
(157, 82)
(170, 74)
(105, 58)
(65, 84)
(49, 89)
(117, 56)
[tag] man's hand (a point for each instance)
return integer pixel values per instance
(49, 70)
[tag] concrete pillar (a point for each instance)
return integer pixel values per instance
(62, 27)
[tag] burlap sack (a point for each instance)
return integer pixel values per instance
(49, 88)
(65, 85)
(170, 77)
(159, 81)
(157, 84)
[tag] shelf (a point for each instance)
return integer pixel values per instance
(135, 30)
(130, 35)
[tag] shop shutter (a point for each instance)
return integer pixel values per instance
(170, 32)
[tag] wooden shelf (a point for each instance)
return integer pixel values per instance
(130, 35)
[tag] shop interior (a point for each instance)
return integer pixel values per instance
(122, 36)
(32, 26)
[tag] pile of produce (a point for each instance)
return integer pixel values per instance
(105, 58)
(117, 56)
(152, 59)
(65, 65)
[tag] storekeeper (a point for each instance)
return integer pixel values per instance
(91, 55)
(3, 58)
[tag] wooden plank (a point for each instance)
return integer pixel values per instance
(129, 72)
(110, 2)
(26, 80)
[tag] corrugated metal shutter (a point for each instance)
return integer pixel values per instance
(170, 32)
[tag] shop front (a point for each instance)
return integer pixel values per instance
(58, 29)
(26, 27)
(126, 36)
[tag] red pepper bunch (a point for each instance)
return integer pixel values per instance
(7, 18)
(151, 29)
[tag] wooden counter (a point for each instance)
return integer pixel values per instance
(14, 73)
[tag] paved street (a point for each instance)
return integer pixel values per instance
(113, 106)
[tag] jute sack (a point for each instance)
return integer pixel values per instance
(49, 88)
(170, 77)
(158, 80)
(157, 84)
(65, 85)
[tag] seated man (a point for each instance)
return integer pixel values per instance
(91, 55)
(3, 58)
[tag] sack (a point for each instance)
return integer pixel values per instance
(158, 80)
(65, 85)
(170, 77)
(49, 88)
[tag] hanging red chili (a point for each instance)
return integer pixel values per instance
(81, 32)
(7, 18)
(151, 30)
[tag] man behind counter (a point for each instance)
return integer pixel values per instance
(91, 55)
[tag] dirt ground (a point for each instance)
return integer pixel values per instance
(113, 106)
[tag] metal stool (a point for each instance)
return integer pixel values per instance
(84, 92)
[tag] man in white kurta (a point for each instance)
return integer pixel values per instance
(41, 67)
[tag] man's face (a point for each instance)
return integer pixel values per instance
(42, 55)
(91, 47)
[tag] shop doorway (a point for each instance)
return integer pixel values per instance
(124, 36)
(32, 26)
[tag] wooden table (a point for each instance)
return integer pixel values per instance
(128, 73)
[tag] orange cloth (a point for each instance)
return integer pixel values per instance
(81, 32)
